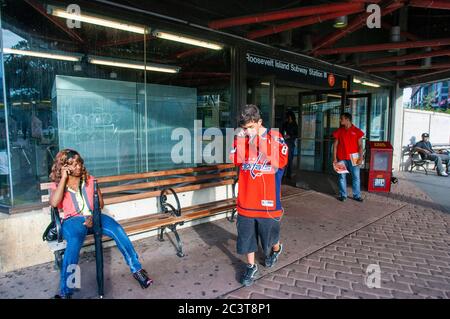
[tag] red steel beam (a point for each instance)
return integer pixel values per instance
(433, 4)
(299, 23)
(406, 67)
(285, 14)
(418, 76)
(39, 7)
(130, 39)
(405, 34)
(407, 57)
(190, 52)
(386, 46)
(356, 24)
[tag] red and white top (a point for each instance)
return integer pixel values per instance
(70, 205)
(261, 164)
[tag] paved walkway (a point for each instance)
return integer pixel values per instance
(410, 245)
(328, 246)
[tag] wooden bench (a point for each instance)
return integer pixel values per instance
(160, 184)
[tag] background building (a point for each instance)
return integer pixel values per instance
(431, 96)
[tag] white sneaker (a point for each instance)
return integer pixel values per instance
(444, 174)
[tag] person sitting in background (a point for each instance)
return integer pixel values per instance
(426, 152)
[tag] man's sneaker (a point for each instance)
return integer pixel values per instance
(273, 258)
(142, 277)
(358, 199)
(444, 174)
(342, 198)
(250, 275)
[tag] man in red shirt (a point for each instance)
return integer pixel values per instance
(348, 144)
(261, 155)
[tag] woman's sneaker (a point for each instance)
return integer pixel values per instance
(273, 258)
(142, 277)
(250, 275)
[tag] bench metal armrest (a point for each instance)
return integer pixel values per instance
(233, 187)
(166, 206)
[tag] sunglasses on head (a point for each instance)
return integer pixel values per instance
(71, 154)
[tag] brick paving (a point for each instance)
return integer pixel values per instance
(410, 245)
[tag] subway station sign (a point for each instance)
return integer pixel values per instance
(261, 65)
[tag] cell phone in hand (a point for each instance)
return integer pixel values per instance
(69, 171)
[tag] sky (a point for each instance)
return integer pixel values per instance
(406, 95)
(10, 39)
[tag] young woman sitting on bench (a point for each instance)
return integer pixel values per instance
(72, 192)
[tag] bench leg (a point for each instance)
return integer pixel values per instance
(231, 219)
(180, 252)
(161, 234)
(58, 259)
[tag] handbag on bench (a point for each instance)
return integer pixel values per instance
(53, 230)
(50, 233)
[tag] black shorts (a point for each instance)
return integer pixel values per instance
(252, 230)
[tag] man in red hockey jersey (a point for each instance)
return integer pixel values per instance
(261, 155)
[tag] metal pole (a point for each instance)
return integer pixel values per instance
(98, 242)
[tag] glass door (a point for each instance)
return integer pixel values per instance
(289, 108)
(260, 93)
(319, 117)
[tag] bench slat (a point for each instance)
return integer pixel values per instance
(145, 223)
(210, 204)
(206, 212)
(165, 182)
(182, 189)
(153, 224)
(118, 178)
(129, 221)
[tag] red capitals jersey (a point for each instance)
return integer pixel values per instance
(261, 161)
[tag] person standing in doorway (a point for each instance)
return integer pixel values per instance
(290, 133)
(347, 145)
(261, 154)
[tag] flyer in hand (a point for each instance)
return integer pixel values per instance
(340, 167)
(354, 157)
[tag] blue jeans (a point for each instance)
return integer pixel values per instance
(74, 232)
(356, 182)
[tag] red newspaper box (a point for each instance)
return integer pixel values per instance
(380, 167)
